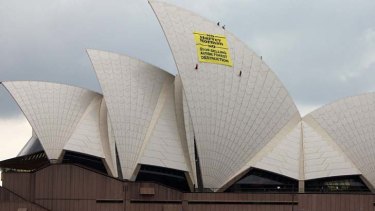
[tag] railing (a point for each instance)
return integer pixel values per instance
(336, 189)
(269, 189)
(289, 190)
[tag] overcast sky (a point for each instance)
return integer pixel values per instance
(321, 50)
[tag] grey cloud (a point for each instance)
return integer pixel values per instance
(315, 47)
(311, 45)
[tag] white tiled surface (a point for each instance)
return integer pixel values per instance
(53, 110)
(112, 144)
(107, 140)
(186, 135)
(322, 157)
(86, 137)
(233, 117)
(189, 132)
(131, 89)
(282, 154)
(350, 123)
(164, 147)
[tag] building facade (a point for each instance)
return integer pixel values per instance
(223, 129)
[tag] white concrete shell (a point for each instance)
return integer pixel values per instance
(91, 135)
(108, 143)
(53, 110)
(350, 124)
(86, 136)
(185, 126)
(135, 94)
(163, 147)
(64, 117)
(282, 154)
(233, 117)
(322, 156)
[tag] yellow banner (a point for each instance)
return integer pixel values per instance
(212, 48)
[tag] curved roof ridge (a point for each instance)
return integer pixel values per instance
(52, 82)
(128, 83)
(339, 100)
(228, 32)
(55, 111)
(349, 121)
(131, 57)
(234, 106)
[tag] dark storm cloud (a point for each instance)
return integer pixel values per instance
(321, 50)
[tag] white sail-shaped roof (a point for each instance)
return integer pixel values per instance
(53, 110)
(350, 123)
(235, 111)
(282, 154)
(91, 135)
(108, 142)
(322, 156)
(131, 90)
(185, 126)
(86, 136)
(164, 146)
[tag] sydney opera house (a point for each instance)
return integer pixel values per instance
(222, 134)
